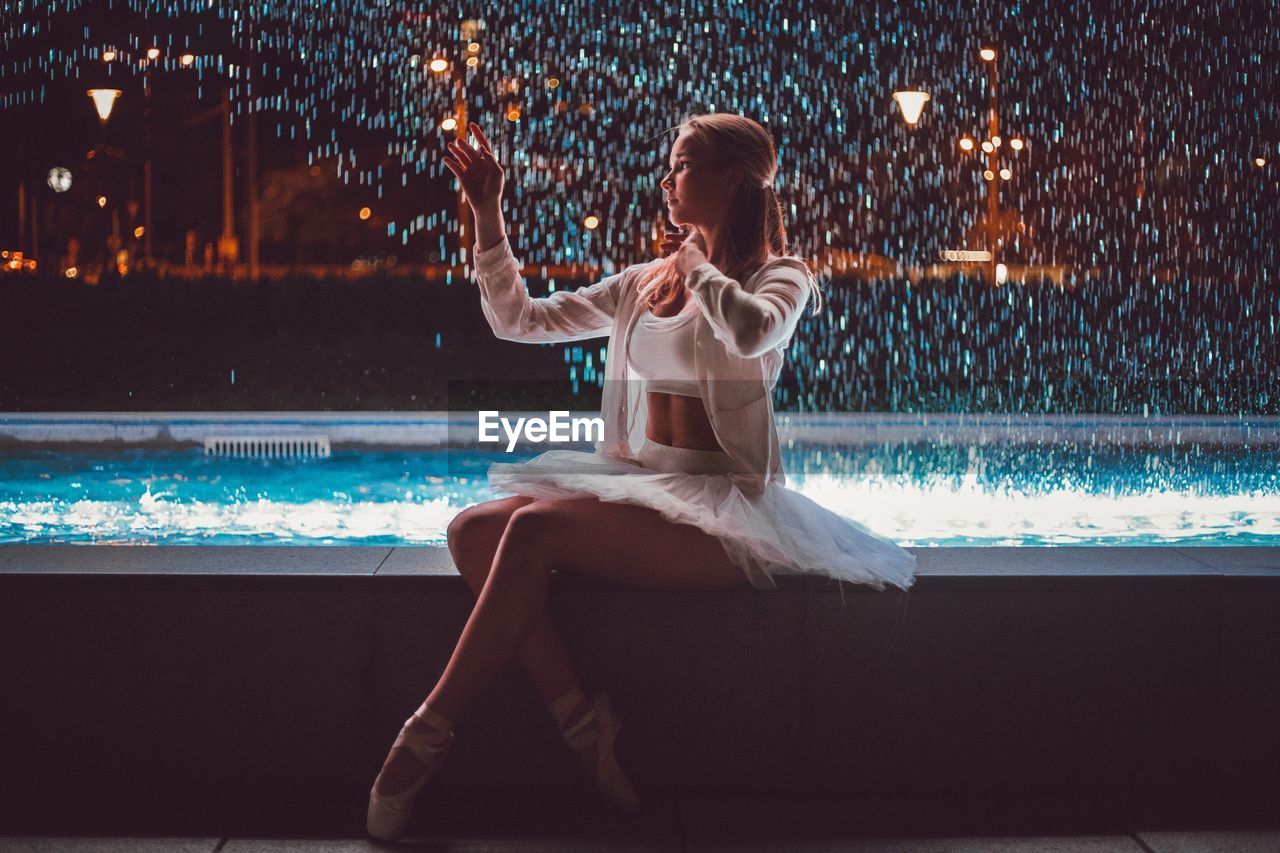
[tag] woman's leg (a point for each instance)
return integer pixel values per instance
(624, 543)
(474, 535)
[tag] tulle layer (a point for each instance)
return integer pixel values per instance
(779, 532)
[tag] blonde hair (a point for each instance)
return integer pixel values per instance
(755, 224)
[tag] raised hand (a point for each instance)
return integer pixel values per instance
(477, 170)
(692, 253)
(671, 240)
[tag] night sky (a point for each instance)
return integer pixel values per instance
(1142, 121)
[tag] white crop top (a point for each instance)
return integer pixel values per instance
(661, 351)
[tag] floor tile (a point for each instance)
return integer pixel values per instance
(66, 844)
(1211, 842)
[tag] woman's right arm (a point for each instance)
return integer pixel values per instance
(504, 298)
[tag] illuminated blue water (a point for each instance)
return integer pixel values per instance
(919, 494)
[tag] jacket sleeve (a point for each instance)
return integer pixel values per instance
(752, 323)
(563, 316)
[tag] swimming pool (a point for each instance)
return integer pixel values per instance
(918, 481)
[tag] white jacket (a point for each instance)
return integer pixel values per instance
(741, 333)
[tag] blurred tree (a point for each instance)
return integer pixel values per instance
(306, 209)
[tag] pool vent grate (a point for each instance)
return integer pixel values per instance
(267, 446)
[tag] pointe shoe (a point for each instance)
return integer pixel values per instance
(600, 726)
(390, 813)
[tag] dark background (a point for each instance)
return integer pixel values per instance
(1142, 124)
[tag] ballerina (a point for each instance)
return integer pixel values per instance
(700, 504)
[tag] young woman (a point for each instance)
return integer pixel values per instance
(701, 504)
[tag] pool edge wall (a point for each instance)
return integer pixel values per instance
(228, 682)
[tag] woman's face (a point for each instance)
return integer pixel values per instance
(695, 193)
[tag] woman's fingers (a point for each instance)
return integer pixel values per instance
(470, 149)
(479, 134)
(463, 155)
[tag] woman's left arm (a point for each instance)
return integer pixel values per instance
(751, 323)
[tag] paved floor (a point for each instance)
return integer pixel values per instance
(1137, 842)
(688, 823)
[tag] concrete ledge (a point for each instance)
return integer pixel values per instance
(217, 678)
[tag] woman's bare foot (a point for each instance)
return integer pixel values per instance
(402, 768)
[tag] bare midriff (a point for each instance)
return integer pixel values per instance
(674, 419)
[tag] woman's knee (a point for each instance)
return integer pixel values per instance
(474, 533)
(544, 528)
(539, 519)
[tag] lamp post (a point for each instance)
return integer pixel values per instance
(912, 102)
(988, 56)
(994, 172)
(103, 101)
(153, 54)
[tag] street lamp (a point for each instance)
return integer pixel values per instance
(990, 150)
(103, 101)
(911, 102)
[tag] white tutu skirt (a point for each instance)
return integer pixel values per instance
(779, 532)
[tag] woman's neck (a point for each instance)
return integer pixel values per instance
(718, 248)
(711, 234)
